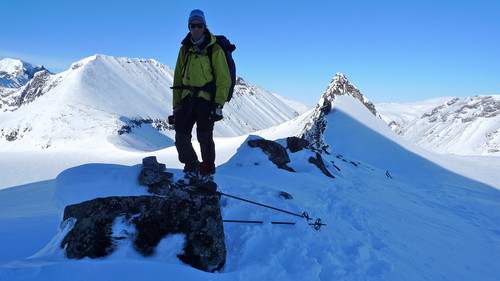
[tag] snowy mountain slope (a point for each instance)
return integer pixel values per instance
(16, 73)
(297, 106)
(432, 213)
(120, 100)
(252, 108)
(424, 223)
(402, 113)
(464, 126)
(90, 101)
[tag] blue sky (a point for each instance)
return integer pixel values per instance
(392, 50)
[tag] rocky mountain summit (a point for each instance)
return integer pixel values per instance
(339, 86)
(16, 73)
(12, 99)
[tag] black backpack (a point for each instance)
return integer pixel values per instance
(228, 49)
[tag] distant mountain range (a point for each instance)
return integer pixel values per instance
(117, 100)
(126, 102)
(463, 126)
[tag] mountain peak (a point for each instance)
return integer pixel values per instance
(10, 65)
(15, 73)
(341, 86)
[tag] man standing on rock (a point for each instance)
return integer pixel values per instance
(200, 90)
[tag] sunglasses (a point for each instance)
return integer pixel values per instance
(196, 25)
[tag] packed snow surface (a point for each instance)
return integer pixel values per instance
(393, 211)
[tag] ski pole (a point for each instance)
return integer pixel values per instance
(317, 224)
(304, 214)
(259, 222)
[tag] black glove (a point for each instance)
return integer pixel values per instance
(217, 113)
(171, 118)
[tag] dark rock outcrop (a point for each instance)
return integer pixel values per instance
(178, 211)
(131, 124)
(314, 133)
(275, 151)
(153, 176)
(285, 195)
(296, 144)
(318, 161)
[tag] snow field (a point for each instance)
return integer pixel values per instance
(427, 222)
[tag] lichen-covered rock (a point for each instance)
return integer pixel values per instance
(179, 210)
(154, 218)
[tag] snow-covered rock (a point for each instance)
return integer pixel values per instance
(16, 73)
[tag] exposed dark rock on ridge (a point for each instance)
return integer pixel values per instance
(318, 161)
(178, 211)
(295, 144)
(276, 152)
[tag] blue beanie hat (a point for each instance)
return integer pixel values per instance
(197, 15)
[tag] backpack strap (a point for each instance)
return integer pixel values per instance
(210, 50)
(186, 57)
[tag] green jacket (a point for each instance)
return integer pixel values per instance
(193, 69)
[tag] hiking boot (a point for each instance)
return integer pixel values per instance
(206, 178)
(207, 169)
(191, 170)
(192, 167)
